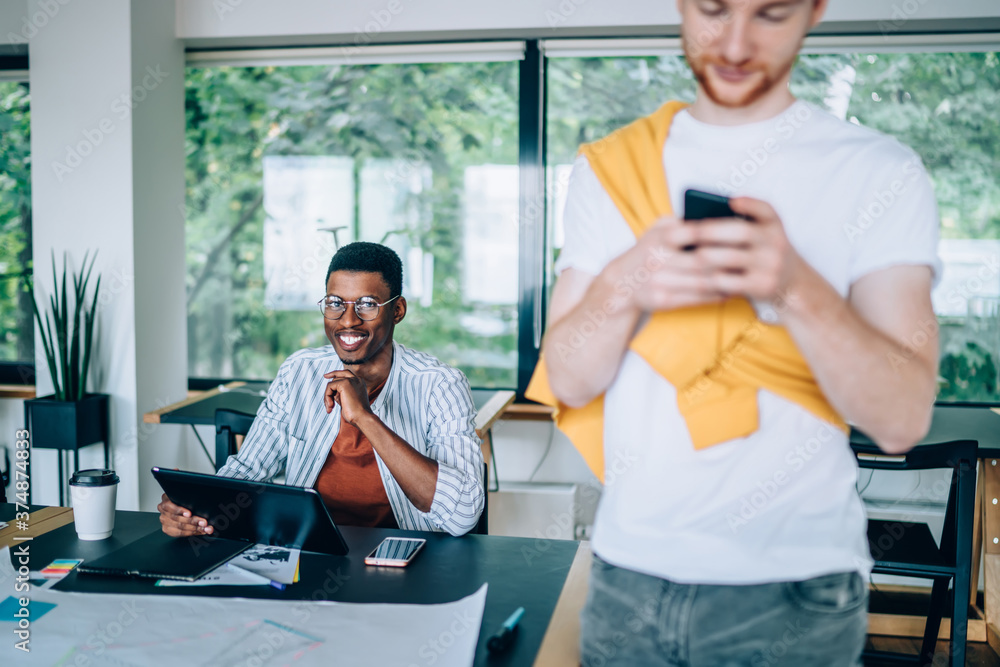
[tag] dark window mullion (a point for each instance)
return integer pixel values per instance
(531, 237)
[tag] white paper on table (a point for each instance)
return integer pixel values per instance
(220, 576)
(112, 629)
(275, 563)
(40, 581)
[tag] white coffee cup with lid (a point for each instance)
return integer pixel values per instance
(92, 494)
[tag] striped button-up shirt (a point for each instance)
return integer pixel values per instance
(424, 402)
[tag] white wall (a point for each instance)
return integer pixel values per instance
(108, 167)
(14, 24)
(234, 22)
(158, 241)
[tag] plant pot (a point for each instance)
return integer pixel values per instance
(67, 425)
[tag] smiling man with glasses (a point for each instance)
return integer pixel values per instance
(385, 434)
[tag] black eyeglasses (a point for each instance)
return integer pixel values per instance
(366, 308)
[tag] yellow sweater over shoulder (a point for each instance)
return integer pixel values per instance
(716, 356)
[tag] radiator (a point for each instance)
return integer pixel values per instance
(544, 511)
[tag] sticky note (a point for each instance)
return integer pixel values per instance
(60, 567)
(11, 606)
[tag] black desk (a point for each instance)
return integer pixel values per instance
(239, 396)
(519, 573)
(955, 422)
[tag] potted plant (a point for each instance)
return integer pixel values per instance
(69, 418)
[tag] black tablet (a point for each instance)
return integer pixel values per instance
(259, 512)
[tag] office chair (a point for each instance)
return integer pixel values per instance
(483, 525)
(5, 476)
(908, 549)
(229, 424)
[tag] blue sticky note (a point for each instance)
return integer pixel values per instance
(11, 606)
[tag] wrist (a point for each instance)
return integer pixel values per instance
(367, 422)
(612, 292)
(805, 295)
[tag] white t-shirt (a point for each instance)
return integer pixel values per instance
(780, 504)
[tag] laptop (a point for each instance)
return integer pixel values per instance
(159, 556)
(256, 512)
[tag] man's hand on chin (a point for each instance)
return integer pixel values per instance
(350, 392)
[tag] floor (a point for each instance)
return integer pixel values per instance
(977, 654)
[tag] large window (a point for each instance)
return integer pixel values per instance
(285, 163)
(942, 105)
(16, 329)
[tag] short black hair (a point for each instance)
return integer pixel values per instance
(366, 257)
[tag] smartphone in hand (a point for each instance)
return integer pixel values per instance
(699, 205)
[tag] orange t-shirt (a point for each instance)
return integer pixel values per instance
(350, 483)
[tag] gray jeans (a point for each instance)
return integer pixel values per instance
(635, 619)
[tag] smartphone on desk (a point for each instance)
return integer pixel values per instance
(395, 551)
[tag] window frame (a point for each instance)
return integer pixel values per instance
(19, 373)
(532, 103)
(531, 271)
(939, 42)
